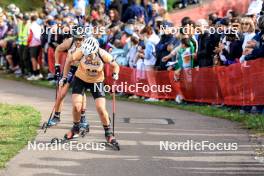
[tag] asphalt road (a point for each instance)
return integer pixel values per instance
(139, 129)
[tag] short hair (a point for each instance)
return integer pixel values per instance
(34, 18)
(185, 20)
(186, 42)
(147, 30)
(212, 17)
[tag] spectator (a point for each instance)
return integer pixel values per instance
(231, 48)
(212, 18)
(147, 10)
(132, 53)
(166, 42)
(184, 56)
(248, 30)
(213, 48)
(258, 43)
(3, 28)
(133, 11)
(203, 56)
(34, 44)
(23, 33)
(81, 5)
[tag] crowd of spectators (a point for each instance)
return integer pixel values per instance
(138, 35)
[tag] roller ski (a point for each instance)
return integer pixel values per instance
(110, 139)
(111, 142)
(51, 122)
(71, 135)
(110, 135)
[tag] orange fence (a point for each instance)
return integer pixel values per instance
(232, 85)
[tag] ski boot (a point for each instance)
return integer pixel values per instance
(52, 122)
(73, 133)
(84, 126)
(110, 139)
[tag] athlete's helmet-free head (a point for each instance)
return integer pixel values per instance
(90, 46)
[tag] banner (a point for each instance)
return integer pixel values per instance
(233, 85)
(236, 84)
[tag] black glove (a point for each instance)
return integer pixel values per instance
(57, 72)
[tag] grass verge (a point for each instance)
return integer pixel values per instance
(248, 121)
(18, 125)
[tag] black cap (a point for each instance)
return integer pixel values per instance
(25, 17)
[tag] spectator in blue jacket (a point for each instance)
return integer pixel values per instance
(133, 11)
(148, 10)
(162, 48)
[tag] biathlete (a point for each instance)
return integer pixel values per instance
(69, 70)
(90, 75)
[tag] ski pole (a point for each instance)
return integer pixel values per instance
(114, 108)
(56, 94)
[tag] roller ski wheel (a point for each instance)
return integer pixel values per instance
(67, 137)
(55, 141)
(60, 141)
(84, 124)
(84, 129)
(83, 132)
(44, 125)
(112, 142)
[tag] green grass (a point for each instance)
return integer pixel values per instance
(27, 5)
(18, 125)
(248, 121)
(170, 5)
